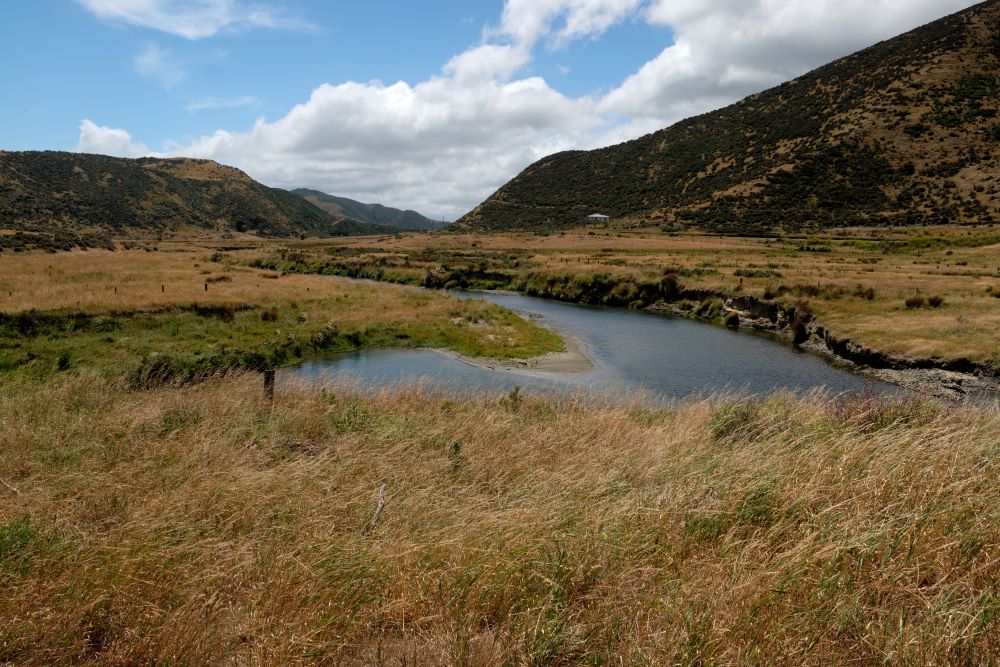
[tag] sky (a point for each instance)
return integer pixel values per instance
(421, 105)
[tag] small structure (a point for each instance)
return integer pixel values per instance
(597, 217)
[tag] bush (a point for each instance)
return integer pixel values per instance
(710, 309)
(935, 301)
(269, 314)
(775, 292)
(914, 302)
(733, 321)
(64, 361)
(867, 293)
(800, 333)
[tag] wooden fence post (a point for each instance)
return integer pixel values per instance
(269, 384)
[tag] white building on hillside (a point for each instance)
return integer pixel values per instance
(597, 217)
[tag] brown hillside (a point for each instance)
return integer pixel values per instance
(61, 200)
(904, 132)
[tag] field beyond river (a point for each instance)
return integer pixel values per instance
(917, 306)
(157, 506)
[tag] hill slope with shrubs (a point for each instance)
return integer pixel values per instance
(375, 214)
(58, 201)
(904, 132)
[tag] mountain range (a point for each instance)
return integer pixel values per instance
(375, 214)
(904, 132)
(57, 201)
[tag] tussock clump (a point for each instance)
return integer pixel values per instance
(710, 309)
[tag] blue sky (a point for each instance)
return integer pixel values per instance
(420, 105)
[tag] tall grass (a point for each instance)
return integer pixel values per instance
(199, 525)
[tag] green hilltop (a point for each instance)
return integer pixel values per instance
(904, 132)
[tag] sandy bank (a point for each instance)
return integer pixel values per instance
(573, 361)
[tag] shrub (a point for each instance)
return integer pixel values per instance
(800, 333)
(733, 321)
(756, 273)
(710, 309)
(775, 292)
(269, 314)
(935, 301)
(867, 293)
(64, 361)
(914, 302)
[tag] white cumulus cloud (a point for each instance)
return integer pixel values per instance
(728, 49)
(108, 141)
(435, 147)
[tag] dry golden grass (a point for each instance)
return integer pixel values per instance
(100, 281)
(199, 525)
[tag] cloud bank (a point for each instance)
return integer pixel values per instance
(443, 145)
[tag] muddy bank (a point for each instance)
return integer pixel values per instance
(947, 378)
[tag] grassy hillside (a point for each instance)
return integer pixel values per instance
(371, 213)
(904, 132)
(60, 200)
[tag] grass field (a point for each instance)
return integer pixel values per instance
(201, 525)
(176, 314)
(856, 281)
(167, 513)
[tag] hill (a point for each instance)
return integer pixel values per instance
(57, 201)
(370, 213)
(904, 132)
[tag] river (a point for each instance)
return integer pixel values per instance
(633, 352)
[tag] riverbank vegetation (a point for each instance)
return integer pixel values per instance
(199, 523)
(175, 314)
(859, 283)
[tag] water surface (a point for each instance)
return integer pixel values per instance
(633, 351)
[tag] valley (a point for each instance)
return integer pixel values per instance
(726, 393)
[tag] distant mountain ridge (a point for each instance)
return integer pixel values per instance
(371, 213)
(58, 200)
(904, 132)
